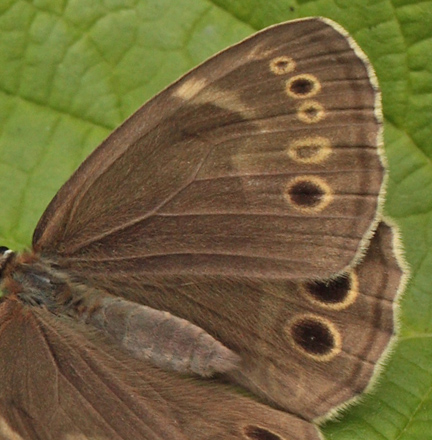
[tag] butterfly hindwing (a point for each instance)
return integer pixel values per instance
(91, 390)
(271, 324)
(313, 346)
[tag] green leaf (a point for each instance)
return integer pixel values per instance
(71, 71)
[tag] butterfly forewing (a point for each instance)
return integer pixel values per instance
(263, 161)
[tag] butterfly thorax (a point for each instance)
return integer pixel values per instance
(37, 282)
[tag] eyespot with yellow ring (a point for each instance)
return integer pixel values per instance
(313, 149)
(310, 112)
(337, 294)
(282, 65)
(314, 336)
(308, 194)
(302, 86)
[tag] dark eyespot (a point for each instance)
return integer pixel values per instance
(331, 292)
(306, 193)
(334, 294)
(258, 433)
(303, 86)
(314, 336)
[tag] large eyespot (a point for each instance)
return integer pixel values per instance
(257, 433)
(315, 337)
(314, 149)
(311, 112)
(334, 294)
(308, 194)
(302, 86)
(282, 65)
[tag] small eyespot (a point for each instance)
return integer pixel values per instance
(313, 149)
(311, 112)
(335, 294)
(315, 337)
(282, 65)
(302, 86)
(258, 433)
(308, 194)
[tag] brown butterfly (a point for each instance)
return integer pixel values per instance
(204, 238)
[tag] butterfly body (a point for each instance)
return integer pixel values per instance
(227, 229)
(167, 341)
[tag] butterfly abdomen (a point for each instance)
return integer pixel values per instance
(165, 340)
